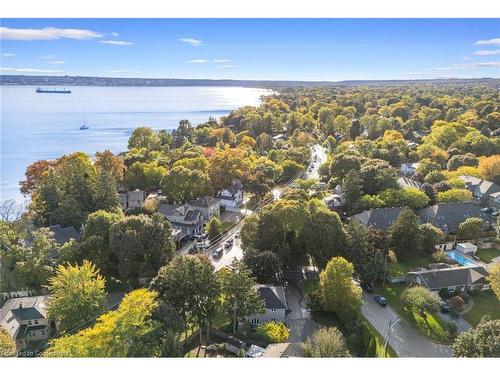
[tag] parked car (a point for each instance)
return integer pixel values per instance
(237, 235)
(495, 214)
(445, 308)
(487, 210)
(368, 287)
(227, 245)
(218, 253)
(380, 300)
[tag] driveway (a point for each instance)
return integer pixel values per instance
(299, 321)
(405, 341)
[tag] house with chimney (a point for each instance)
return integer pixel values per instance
(25, 320)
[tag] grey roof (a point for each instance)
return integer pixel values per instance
(285, 350)
(27, 313)
(405, 182)
(136, 195)
(273, 296)
(182, 212)
(63, 235)
(448, 277)
(448, 216)
(379, 218)
(37, 302)
(485, 187)
(205, 201)
(233, 189)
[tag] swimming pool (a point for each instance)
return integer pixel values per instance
(458, 257)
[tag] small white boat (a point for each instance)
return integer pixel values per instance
(84, 127)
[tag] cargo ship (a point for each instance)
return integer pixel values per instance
(41, 90)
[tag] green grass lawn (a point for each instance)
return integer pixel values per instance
(402, 268)
(431, 326)
(486, 303)
(486, 255)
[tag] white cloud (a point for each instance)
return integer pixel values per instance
(117, 42)
(8, 54)
(114, 34)
(198, 61)
(56, 62)
(47, 33)
(487, 52)
(221, 61)
(115, 71)
(493, 42)
(226, 66)
(49, 57)
(487, 64)
(192, 41)
(31, 70)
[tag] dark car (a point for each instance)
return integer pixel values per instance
(368, 287)
(487, 210)
(227, 245)
(218, 253)
(237, 235)
(380, 300)
(445, 308)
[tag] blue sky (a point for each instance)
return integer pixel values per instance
(281, 49)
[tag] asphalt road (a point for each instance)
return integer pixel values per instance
(299, 322)
(405, 341)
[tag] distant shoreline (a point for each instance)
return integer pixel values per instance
(10, 80)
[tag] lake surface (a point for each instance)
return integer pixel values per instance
(46, 126)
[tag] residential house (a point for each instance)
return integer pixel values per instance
(452, 278)
(405, 182)
(184, 218)
(231, 196)
(274, 303)
(333, 202)
(494, 201)
(25, 320)
(448, 216)
(132, 199)
(409, 169)
(378, 218)
(64, 234)
(481, 189)
(208, 206)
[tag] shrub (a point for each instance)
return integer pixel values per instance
(457, 302)
(273, 332)
(451, 329)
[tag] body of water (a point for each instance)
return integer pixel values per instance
(47, 126)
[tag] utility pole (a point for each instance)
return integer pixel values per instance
(385, 270)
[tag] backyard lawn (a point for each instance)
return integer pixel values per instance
(431, 326)
(402, 268)
(486, 255)
(486, 303)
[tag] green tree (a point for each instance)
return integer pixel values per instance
(405, 235)
(326, 342)
(290, 169)
(141, 245)
(214, 227)
(273, 332)
(182, 185)
(114, 165)
(106, 195)
(265, 265)
(131, 323)
(483, 341)
(339, 292)
(454, 195)
(239, 298)
(143, 137)
(471, 228)
(431, 236)
(78, 295)
(420, 299)
(352, 190)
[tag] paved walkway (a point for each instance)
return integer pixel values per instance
(299, 321)
(405, 341)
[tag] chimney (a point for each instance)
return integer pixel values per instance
(20, 305)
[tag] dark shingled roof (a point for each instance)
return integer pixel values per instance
(379, 218)
(448, 216)
(63, 235)
(271, 300)
(27, 313)
(448, 277)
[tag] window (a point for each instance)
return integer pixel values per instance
(451, 289)
(29, 322)
(36, 322)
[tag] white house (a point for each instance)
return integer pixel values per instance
(231, 196)
(132, 199)
(274, 303)
(409, 169)
(25, 320)
(466, 248)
